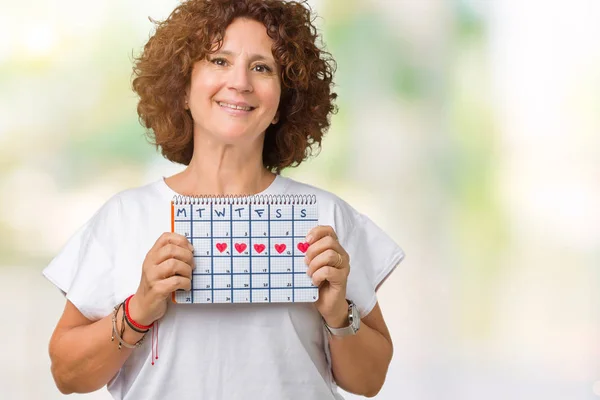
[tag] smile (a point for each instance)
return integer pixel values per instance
(235, 107)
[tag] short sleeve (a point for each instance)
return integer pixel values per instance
(373, 257)
(83, 269)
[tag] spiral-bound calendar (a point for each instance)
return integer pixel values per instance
(247, 249)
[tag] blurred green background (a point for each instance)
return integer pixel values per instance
(468, 130)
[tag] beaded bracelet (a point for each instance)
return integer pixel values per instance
(133, 326)
(127, 319)
(133, 322)
(119, 336)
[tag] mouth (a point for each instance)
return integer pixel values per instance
(239, 107)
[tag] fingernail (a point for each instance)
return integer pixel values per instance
(305, 260)
(309, 238)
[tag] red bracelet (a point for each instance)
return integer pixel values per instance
(136, 324)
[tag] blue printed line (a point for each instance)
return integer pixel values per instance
(212, 261)
(250, 250)
(293, 248)
(246, 237)
(230, 246)
(254, 255)
(250, 220)
(246, 273)
(307, 291)
(269, 248)
(192, 241)
(256, 289)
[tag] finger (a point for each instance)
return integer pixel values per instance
(323, 244)
(172, 238)
(319, 232)
(173, 283)
(332, 275)
(173, 267)
(328, 258)
(173, 251)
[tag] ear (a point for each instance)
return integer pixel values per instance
(186, 97)
(276, 119)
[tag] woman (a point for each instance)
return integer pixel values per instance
(237, 91)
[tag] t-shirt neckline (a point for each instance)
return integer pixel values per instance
(277, 186)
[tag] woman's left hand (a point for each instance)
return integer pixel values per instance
(329, 266)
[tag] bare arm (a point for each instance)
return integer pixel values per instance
(360, 362)
(83, 357)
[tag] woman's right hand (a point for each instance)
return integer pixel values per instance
(167, 267)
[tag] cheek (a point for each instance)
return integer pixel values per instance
(204, 87)
(271, 97)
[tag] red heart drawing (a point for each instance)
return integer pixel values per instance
(280, 248)
(259, 248)
(303, 246)
(221, 247)
(240, 247)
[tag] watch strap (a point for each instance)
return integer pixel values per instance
(352, 328)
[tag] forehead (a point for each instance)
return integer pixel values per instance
(247, 35)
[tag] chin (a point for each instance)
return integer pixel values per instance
(232, 136)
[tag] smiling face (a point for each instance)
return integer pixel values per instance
(234, 93)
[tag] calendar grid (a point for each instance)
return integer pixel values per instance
(246, 252)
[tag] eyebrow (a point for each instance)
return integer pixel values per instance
(253, 57)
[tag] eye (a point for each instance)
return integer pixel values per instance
(218, 61)
(262, 68)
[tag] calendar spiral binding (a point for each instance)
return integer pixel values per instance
(258, 199)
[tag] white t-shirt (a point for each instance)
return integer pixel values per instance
(216, 351)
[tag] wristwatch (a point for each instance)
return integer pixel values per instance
(353, 317)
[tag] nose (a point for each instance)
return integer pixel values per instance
(239, 78)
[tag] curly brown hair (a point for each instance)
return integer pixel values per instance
(190, 33)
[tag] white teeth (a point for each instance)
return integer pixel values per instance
(233, 106)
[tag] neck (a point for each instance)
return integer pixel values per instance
(223, 169)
